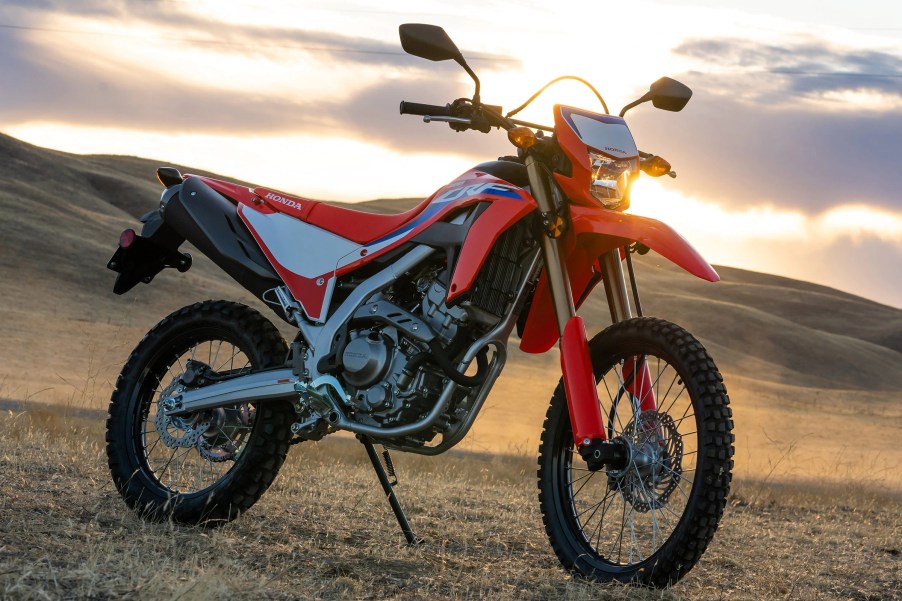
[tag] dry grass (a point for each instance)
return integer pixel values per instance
(324, 531)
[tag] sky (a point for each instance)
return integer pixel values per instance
(788, 154)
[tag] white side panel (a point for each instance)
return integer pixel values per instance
(304, 249)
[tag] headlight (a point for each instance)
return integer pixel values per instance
(611, 179)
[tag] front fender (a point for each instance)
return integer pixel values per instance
(593, 232)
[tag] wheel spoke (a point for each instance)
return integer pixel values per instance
(589, 479)
(610, 498)
(619, 541)
(675, 399)
(572, 482)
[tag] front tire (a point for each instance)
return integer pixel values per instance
(650, 521)
(207, 467)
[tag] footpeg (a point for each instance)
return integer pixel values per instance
(600, 453)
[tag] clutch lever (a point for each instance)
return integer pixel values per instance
(431, 118)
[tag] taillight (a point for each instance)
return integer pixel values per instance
(127, 238)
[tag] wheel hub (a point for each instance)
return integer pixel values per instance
(222, 438)
(654, 461)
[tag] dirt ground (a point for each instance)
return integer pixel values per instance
(325, 531)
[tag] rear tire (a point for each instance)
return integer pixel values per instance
(220, 463)
(650, 522)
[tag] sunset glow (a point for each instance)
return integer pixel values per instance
(783, 153)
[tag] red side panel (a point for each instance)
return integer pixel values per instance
(367, 236)
(311, 294)
(500, 215)
(579, 382)
(594, 231)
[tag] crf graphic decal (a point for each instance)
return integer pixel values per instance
(472, 190)
(442, 200)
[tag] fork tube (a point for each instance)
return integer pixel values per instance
(576, 364)
(555, 269)
(615, 286)
(635, 373)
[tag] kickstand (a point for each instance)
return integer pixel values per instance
(387, 486)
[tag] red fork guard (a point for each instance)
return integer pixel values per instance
(640, 386)
(579, 384)
(582, 393)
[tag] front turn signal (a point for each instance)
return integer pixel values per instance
(655, 166)
(522, 137)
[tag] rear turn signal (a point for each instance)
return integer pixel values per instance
(127, 238)
(522, 137)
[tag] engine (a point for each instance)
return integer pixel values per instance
(388, 370)
(390, 364)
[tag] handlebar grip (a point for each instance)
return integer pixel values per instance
(415, 108)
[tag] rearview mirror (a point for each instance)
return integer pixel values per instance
(666, 94)
(432, 43)
(429, 42)
(669, 94)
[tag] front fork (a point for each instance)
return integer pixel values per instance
(576, 364)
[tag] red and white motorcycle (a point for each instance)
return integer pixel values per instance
(403, 323)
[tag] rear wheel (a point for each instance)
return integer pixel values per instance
(649, 521)
(212, 465)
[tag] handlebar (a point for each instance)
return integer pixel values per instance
(425, 110)
(461, 115)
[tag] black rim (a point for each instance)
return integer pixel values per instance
(624, 517)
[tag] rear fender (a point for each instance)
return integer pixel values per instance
(592, 233)
(146, 255)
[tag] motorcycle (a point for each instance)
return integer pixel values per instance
(403, 322)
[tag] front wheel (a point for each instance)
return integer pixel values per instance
(648, 521)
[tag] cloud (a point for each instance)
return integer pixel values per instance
(48, 89)
(84, 94)
(55, 84)
(177, 21)
(807, 68)
(751, 137)
(851, 247)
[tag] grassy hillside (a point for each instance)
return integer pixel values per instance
(806, 365)
(324, 531)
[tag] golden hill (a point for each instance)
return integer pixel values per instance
(815, 374)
